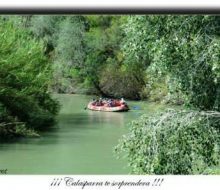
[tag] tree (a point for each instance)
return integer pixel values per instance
(186, 50)
(69, 54)
(46, 28)
(190, 55)
(173, 142)
(25, 76)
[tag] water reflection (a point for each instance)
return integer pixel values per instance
(107, 117)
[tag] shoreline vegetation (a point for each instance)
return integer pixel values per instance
(168, 59)
(25, 103)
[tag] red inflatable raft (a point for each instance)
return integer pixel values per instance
(117, 106)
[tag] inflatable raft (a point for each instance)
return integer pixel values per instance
(116, 107)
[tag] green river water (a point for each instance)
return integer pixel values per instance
(82, 142)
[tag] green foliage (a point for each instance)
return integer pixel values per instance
(81, 47)
(69, 55)
(15, 129)
(69, 45)
(120, 82)
(47, 29)
(186, 48)
(102, 45)
(212, 170)
(25, 76)
(156, 87)
(173, 142)
(134, 45)
(181, 57)
(106, 67)
(64, 39)
(190, 55)
(10, 127)
(136, 54)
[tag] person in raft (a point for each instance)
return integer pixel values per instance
(110, 103)
(97, 102)
(122, 101)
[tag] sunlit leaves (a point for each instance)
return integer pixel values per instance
(173, 142)
(185, 48)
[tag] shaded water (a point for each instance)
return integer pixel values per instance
(81, 143)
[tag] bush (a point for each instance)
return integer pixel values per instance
(212, 171)
(175, 142)
(25, 75)
(120, 81)
(10, 127)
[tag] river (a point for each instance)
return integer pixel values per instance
(82, 142)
